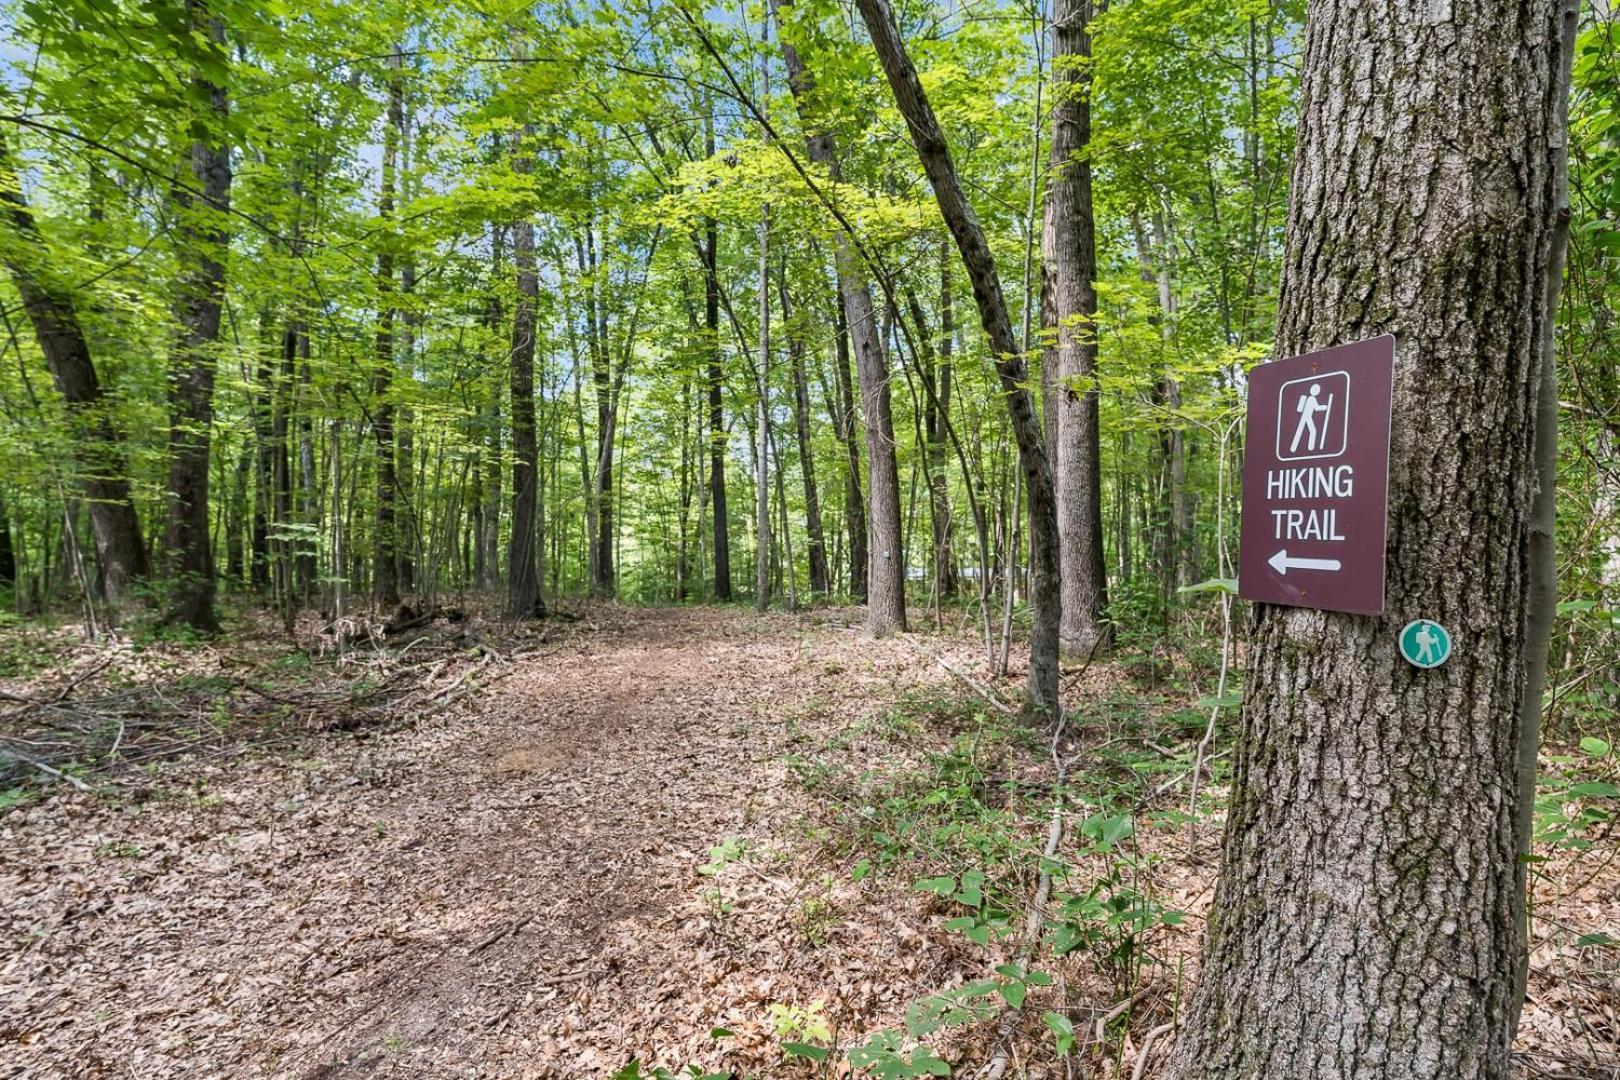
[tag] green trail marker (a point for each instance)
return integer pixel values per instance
(1425, 644)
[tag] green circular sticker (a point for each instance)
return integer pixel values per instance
(1425, 644)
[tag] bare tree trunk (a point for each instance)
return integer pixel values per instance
(1073, 236)
(203, 242)
(717, 416)
(522, 564)
(977, 260)
(8, 557)
(938, 376)
(684, 495)
(120, 550)
(385, 556)
(886, 572)
(1369, 920)
(523, 599)
(491, 528)
(762, 450)
(817, 548)
(844, 415)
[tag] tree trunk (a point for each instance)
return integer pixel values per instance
(980, 265)
(8, 557)
(1073, 238)
(523, 599)
(309, 503)
(717, 416)
(385, 560)
(939, 375)
(1369, 920)
(494, 465)
(237, 521)
(886, 571)
(854, 500)
(120, 550)
(762, 456)
(817, 553)
(203, 243)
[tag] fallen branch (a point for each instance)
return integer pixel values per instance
(29, 703)
(977, 687)
(1147, 1048)
(49, 771)
(505, 931)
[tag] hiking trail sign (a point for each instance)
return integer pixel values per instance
(1316, 479)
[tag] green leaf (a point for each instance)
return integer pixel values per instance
(721, 1033)
(804, 1050)
(1598, 939)
(1597, 789)
(1062, 1029)
(939, 886)
(972, 892)
(1013, 993)
(1220, 584)
(1595, 747)
(862, 868)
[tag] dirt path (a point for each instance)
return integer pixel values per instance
(510, 891)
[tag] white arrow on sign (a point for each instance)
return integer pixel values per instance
(1281, 563)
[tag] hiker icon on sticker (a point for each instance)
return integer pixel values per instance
(1425, 643)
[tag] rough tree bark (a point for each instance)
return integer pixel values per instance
(385, 563)
(844, 416)
(200, 202)
(1370, 916)
(523, 599)
(886, 572)
(717, 416)
(980, 265)
(1072, 233)
(120, 550)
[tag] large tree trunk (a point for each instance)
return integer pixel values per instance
(844, 414)
(717, 416)
(120, 551)
(980, 265)
(1370, 916)
(1073, 237)
(604, 532)
(202, 241)
(523, 599)
(385, 561)
(886, 571)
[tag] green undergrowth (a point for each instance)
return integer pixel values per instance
(950, 803)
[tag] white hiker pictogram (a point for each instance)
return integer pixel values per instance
(1308, 406)
(1428, 644)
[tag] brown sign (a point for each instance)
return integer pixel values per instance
(1316, 479)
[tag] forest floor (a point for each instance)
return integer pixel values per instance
(683, 836)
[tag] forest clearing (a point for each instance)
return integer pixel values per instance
(823, 539)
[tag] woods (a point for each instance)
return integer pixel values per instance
(335, 329)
